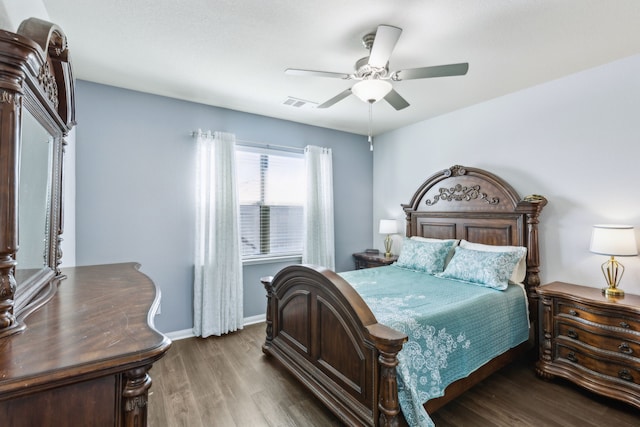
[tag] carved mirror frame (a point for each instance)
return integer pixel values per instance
(35, 79)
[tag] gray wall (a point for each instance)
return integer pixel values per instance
(135, 188)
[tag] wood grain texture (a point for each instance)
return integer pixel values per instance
(227, 382)
(84, 358)
(97, 321)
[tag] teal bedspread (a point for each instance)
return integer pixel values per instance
(453, 328)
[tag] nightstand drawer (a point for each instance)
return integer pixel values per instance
(627, 344)
(597, 315)
(629, 373)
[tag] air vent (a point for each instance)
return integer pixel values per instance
(298, 103)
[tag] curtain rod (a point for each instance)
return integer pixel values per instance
(247, 143)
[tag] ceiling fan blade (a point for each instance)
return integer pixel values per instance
(435, 71)
(296, 72)
(339, 97)
(396, 101)
(386, 39)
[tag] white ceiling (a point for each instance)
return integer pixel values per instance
(233, 53)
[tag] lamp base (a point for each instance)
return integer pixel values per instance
(613, 271)
(387, 246)
(613, 292)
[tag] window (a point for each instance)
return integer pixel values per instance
(271, 187)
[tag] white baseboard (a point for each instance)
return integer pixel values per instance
(180, 335)
(254, 319)
(188, 333)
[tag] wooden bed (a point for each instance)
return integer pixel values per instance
(322, 331)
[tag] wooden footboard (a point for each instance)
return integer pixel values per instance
(326, 336)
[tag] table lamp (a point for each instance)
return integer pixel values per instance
(613, 241)
(388, 227)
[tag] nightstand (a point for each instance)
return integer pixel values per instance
(591, 340)
(366, 260)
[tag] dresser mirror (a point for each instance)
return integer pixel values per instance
(36, 113)
(34, 196)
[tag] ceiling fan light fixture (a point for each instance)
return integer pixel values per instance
(371, 91)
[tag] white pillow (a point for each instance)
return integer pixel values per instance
(430, 239)
(519, 273)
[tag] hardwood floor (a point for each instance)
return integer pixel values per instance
(227, 381)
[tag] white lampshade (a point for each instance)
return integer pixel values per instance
(371, 90)
(613, 240)
(388, 226)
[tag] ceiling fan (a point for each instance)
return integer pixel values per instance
(373, 75)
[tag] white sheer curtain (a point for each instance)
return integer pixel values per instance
(318, 246)
(217, 293)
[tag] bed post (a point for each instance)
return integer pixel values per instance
(389, 343)
(531, 206)
(267, 283)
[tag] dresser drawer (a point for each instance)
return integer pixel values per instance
(628, 373)
(621, 342)
(598, 315)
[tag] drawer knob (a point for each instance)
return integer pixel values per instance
(572, 357)
(572, 334)
(573, 312)
(625, 375)
(625, 325)
(624, 348)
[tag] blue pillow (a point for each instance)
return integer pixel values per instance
(488, 269)
(425, 257)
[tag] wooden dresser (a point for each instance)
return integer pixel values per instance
(591, 340)
(76, 345)
(84, 357)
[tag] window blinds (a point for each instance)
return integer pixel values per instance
(271, 187)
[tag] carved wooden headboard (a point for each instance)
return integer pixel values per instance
(475, 205)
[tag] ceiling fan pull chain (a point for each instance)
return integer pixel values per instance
(370, 126)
